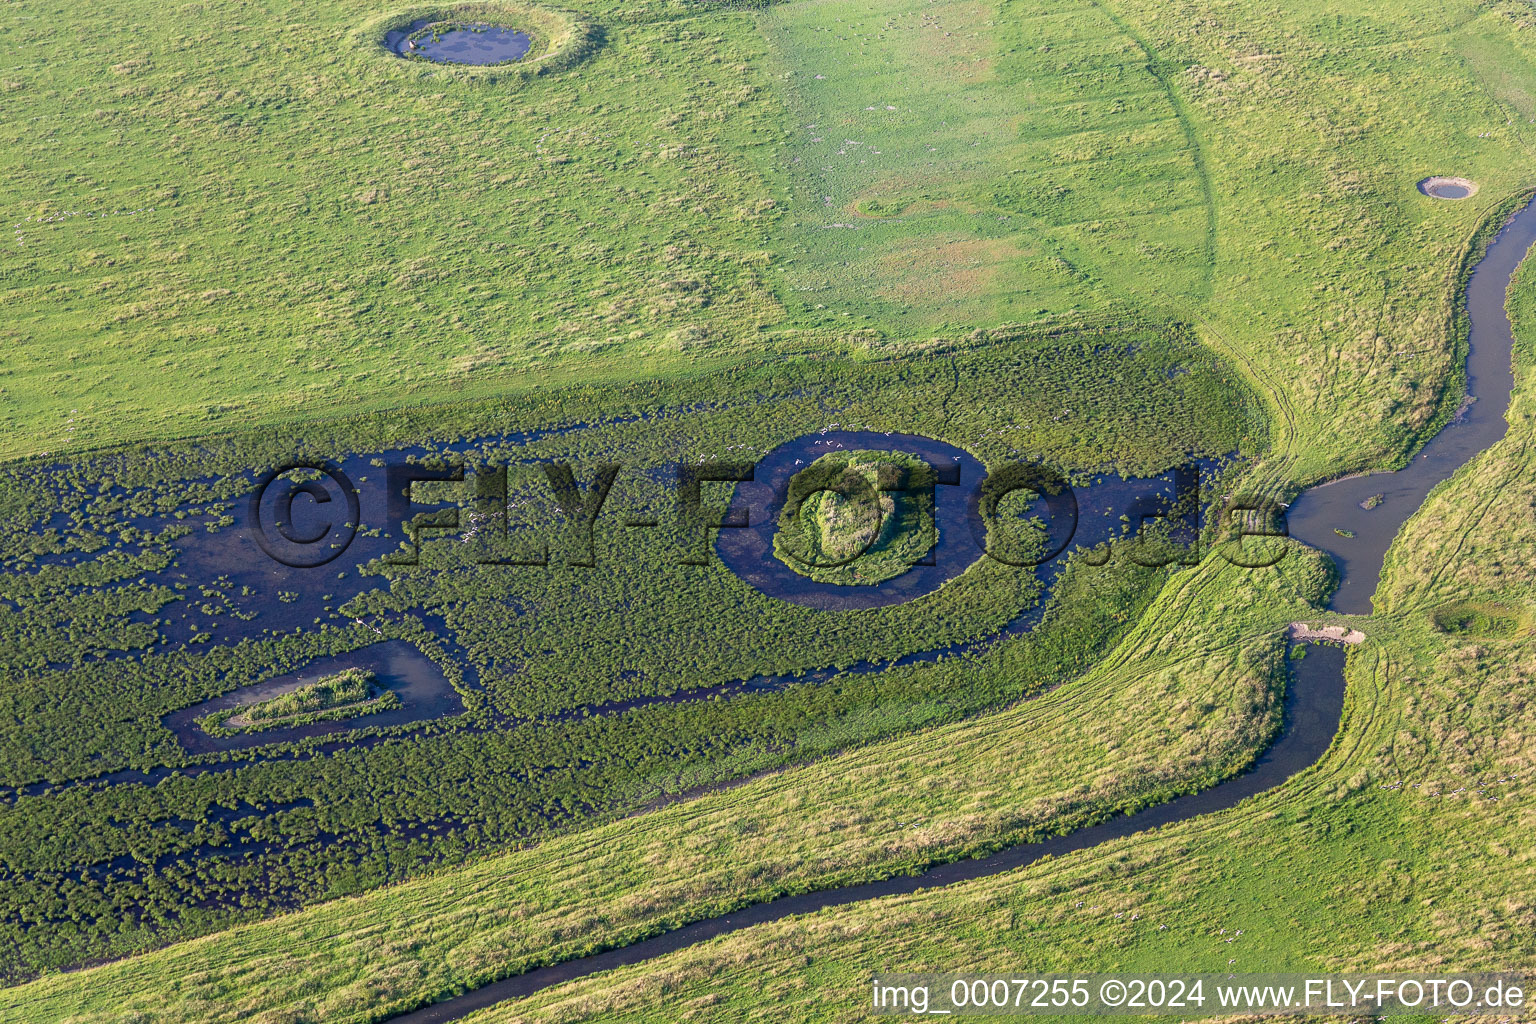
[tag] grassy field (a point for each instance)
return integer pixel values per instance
(273, 218)
(222, 218)
(958, 165)
(237, 217)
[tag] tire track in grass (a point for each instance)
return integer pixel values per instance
(1473, 516)
(1157, 70)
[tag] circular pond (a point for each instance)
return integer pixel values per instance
(1447, 188)
(949, 536)
(455, 42)
(750, 553)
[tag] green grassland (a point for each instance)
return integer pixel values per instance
(962, 164)
(221, 218)
(244, 218)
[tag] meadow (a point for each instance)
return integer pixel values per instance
(275, 220)
(1107, 235)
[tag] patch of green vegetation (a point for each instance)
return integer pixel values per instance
(1483, 620)
(576, 710)
(1008, 159)
(345, 694)
(1312, 575)
(882, 206)
(1056, 163)
(849, 519)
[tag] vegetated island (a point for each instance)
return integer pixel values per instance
(345, 694)
(844, 522)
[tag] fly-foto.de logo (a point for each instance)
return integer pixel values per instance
(854, 517)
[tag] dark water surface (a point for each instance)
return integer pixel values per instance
(1442, 189)
(477, 43)
(1318, 512)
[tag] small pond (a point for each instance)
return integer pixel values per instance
(1447, 188)
(458, 42)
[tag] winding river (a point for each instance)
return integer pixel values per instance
(1314, 700)
(1352, 504)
